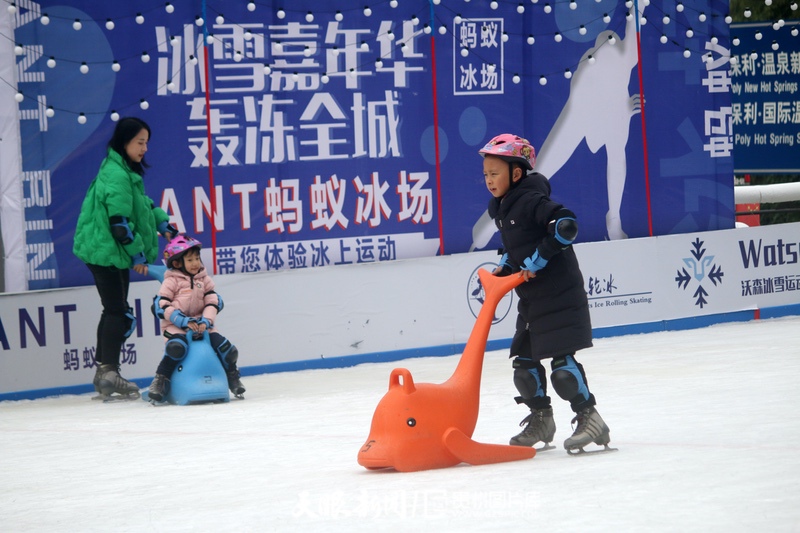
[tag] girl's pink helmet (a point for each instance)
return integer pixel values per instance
(178, 246)
(511, 148)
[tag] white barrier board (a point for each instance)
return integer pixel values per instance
(397, 309)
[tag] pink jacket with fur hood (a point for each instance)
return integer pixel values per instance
(193, 295)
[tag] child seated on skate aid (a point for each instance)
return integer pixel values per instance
(186, 303)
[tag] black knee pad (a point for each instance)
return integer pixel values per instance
(531, 382)
(176, 349)
(565, 384)
(569, 380)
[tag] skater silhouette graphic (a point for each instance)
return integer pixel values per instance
(598, 110)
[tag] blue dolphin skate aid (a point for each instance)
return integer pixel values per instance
(200, 377)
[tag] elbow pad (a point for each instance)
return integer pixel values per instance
(120, 230)
(157, 308)
(564, 227)
(167, 230)
(562, 230)
(220, 304)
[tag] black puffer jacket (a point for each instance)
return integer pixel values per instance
(553, 305)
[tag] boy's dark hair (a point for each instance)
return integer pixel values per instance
(511, 166)
(127, 128)
(517, 164)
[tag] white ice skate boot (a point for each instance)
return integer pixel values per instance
(112, 386)
(591, 428)
(540, 428)
(96, 380)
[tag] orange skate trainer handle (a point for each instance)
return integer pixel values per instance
(495, 287)
(470, 365)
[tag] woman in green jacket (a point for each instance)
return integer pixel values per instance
(118, 230)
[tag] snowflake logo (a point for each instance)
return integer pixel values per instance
(702, 267)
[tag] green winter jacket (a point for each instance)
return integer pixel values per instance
(117, 191)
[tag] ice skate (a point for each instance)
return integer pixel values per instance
(159, 388)
(234, 383)
(113, 387)
(96, 380)
(540, 428)
(591, 428)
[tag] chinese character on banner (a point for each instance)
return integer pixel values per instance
(371, 207)
(478, 57)
(71, 359)
(327, 200)
(89, 359)
(718, 123)
(128, 354)
(416, 203)
(283, 209)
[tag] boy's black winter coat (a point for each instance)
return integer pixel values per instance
(553, 304)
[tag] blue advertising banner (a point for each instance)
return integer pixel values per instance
(765, 76)
(306, 135)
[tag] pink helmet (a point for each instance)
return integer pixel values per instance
(178, 246)
(511, 148)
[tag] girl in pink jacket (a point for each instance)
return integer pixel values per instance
(187, 302)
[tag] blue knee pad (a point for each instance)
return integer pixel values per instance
(176, 349)
(569, 380)
(131, 319)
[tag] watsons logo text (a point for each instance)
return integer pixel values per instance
(756, 253)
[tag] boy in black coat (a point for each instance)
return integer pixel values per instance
(553, 320)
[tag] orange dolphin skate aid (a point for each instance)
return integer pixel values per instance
(421, 426)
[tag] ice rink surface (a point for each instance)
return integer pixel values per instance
(706, 422)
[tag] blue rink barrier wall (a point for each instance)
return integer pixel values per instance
(335, 317)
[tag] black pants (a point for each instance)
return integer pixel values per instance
(112, 284)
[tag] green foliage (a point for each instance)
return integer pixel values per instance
(760, 12)
(787, 211)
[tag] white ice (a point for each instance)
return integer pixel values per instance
(706, 422)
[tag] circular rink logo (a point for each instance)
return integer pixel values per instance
(476, 295)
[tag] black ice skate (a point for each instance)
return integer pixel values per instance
(113, 387)
(159, 389)
(539, 427)
(591, 428)
(234, 383)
